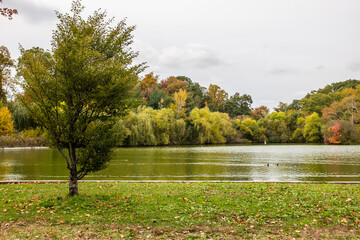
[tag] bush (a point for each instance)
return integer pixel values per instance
(21, 141)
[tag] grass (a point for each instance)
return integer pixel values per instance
(180, 211)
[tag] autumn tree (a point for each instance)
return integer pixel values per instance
(216, 95)
(259, 112)
(172, 85)
(147, 85)
(347, 109)
(6, 124)
(76, 91)
(7, 12)
(179, 105)
(335, 131)
(5, 73)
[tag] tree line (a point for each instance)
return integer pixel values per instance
(177, 110)
(181, 116)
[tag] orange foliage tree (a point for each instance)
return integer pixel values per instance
(172, 85)
(147, 85)
(336, 134)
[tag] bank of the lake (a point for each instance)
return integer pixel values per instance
(180, 210)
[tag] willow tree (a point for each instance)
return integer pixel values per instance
(77, 89)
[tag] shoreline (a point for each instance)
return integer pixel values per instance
(20, 148)
(175, 182)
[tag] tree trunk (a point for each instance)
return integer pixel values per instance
(73, 184)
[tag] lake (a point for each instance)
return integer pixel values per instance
(275, 163)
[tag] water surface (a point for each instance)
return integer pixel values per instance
(217, 163)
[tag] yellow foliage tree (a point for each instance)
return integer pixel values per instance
(6, 124)
(180, 101)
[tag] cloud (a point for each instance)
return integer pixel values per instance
(192, 55)
(354, 66)
(301, 94)
(33, 11)
(279, 69)
(320, 67)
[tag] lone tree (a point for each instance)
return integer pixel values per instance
(76, 90)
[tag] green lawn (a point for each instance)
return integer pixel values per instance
(180, 211)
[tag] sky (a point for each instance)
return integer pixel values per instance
(276, 50)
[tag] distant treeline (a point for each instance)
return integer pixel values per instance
(177, 110)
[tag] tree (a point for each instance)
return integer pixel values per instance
(172, 85)
(195, 96)
(259, 112)
(316, 102)
(237, 105)
(250, 130)
(156, 99)
(282, 107)
(75, 91)
(298, 133)
(216, 95)
(335, 131)
(5, 74)
(210, 127)
(313, 129)
(277, 130)
(347, 109)
(178, 106)
(6, 124)
(7, 12)
(147, 85)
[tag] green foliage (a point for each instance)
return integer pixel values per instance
(75, 91)
(250, 130)
(140, 127)
(313, 129)
(210, 127)
(147, 127)
(196, 97)
(276, 128)
(20, 116)
(339, 86)
(316, 102)
(237, 105)
(156, 99)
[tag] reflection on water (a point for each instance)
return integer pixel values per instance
(224, 163)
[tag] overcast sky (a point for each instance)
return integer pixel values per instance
(274, 50)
